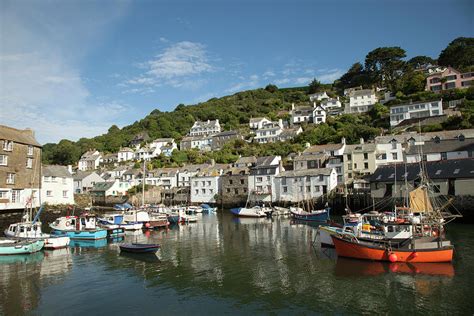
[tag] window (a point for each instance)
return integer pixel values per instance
(308, 178)
(308, 189)
(196, 191)
(29, 163)
(349, 175)
(10, 178)
(259, 179)
(3, 194)
(349, 157)
(394, 145)
(203, 183)
(231, 182)
(49, 193)
(195, 183)
(16, 196)
(203, 191)
(65, 194)
(316, 188)
(366, 165)
(53, 179)
(394, 156)
(30, 150)
(242, 181)
(211, 191)
(285, 189)
(236, 191)
(259, 188)
(228, 190)
(8, 145)
(3, 160)
(268, 178)
(355, 166)
(209, 183)
(449, 78)
(366, 156)
(321, 177)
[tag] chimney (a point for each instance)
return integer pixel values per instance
(280, 122)
(314, 104)
(343, 141)
(213, 162)
(208, 121)
(307, 145)
(361, 141)
(217, 121)
(69, 168)
(292, 106)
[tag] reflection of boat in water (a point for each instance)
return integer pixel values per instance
(98, 243)
(354, 267)
(144, 257)
(250, 220)
(28, 258)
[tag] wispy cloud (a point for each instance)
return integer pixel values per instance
(246, 83)
(178, 66)
(40, 85)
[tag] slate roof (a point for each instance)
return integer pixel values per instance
(305, 172)
(289, 132)
(18, 136)
(164, 140)
(257, 119)
(246, 160)
(237, 171)
(213, 171)
(447, 145)
(367, 147)
(322, 148)
(126, 149)
(310, 157)
(444, 169)
(79, 175)
(56, 171)
(226, 133)
(193, 168)
(102, 186)
(265, 161)
(356, 93)
(205, 123)
(166, 172)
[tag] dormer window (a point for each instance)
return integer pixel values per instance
(437, 139)
(8, 145)
(461, 137)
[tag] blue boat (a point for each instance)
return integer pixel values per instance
(84, 243)
(139, 248)
(321, 216)
(206, 208)
(82, 227)
(19, 247)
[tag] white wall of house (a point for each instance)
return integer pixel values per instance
(167, 182)
(318, 96)
(257, 124)
(388, 153)
(57, 190)
(319, 115)
(361, 102)
(402, 112)
(126, 155)
(118, 188)
(13, 199)
(304, 187)
(204, 189)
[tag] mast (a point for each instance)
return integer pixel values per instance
(143, 183)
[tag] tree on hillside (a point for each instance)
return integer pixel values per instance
(458, 54)
(412, 82)
(385, 64)
(355, 76)
(271, 88)
(419, 61)
(314, 86)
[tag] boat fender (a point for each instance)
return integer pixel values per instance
(393, 257)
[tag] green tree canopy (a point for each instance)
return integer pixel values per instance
(458, 54)
(420, 61)
(385, 64)
(314, 86)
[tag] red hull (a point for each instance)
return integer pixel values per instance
(345, 248)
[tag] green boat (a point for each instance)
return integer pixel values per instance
(18, 247)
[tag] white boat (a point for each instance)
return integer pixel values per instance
(113, 221)
(194, 209)
(30, 230)
(255, 211)
(136, 216)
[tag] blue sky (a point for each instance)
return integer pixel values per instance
(71, 69)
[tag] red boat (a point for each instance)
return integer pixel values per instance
(421, 250)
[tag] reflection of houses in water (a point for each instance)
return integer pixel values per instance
(56, 263)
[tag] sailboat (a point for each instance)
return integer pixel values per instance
(299, 212)
(423, 224)
(255, 211)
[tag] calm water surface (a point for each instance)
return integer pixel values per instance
(223, 265)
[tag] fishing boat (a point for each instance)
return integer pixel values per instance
(111, 221)
(78, 227)
(316, 215)
(20, 246)
(255, 211)
(136, 216)
(31, 229)
(139, 248)
(157, 220)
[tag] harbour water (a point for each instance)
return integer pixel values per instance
(225, 265)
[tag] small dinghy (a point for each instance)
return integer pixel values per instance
(139, 248)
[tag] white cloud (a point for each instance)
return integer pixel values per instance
(41, 86)
(177, 66)
(330, 76)
(247, 83)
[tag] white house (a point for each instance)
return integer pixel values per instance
(305, 184)
(319, 96)
(57, 185)
(85, 180)
(90, 160)
(258, 122)
(269, 132)
(308, 114)
(389, 149)
(125, 154)
(360, 101)
(147, 152)
(206, 184)
(261, 180)
(441, 149)
(164, 145)
(319, 115)
(163, 177)
(334, 157)
(418, 110)
(205, 128)
(331, 103)
(132, 176)
(203, 143)
(187, 172)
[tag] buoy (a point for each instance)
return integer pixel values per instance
(147, 225)
(393, 257)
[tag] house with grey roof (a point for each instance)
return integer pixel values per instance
(205, 128)
(187, 172)
(167, 178)
(305, 184)
(220, 139)
(57, 185)
(90, 160)
(85, 180)
(105, 189)
(447, 177)
(359, 162)
(360, 101)
(441, 149)
(258, 122)
(206, 184)
(262, 179)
